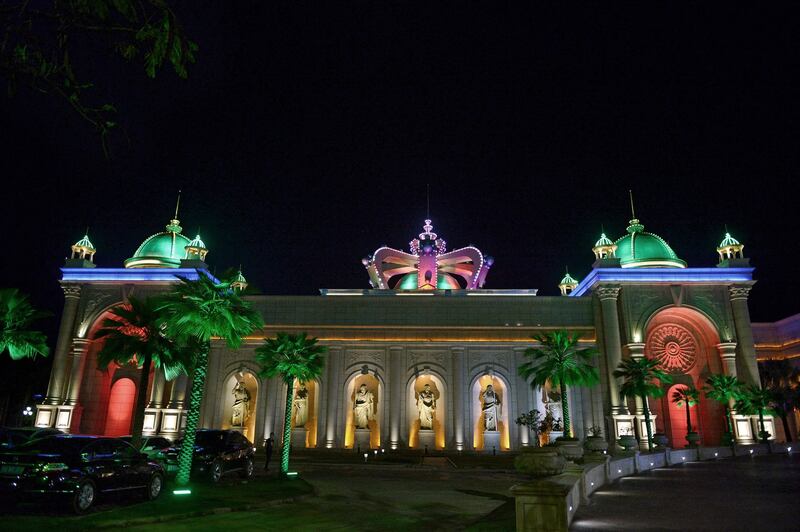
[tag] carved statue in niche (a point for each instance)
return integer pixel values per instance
(490, 401)
(426, 405)
(301, 406)
(241, 405)
(551, 399)
(363, 407)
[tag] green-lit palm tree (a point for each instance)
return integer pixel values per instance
(292, 357)
(639, 376)
(195, 311)
(687, 396)
(135, 333)
(726, 390)
(755, 400)
(561, 362)
(783, 380)
(16, 316)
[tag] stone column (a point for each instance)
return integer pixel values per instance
(157, 391)
(608, 295)
(746, 356)
(334, 368)
(80, 350)
(58, 375)
(396, 386)
(177, 396)
(727, 352)
(459, 397)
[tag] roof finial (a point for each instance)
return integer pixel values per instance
(87, 230)
(726, 230)
(428, 211)
(177, 204)
(633, 213)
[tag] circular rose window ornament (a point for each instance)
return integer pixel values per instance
(674, 347)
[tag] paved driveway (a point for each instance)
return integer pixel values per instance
(759, 493)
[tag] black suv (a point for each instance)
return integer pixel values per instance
(216, 453)
(77, 469)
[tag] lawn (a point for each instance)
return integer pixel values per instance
(230, 495)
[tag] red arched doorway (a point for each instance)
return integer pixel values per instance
(677, 419)
(685, 342)
(120, 407)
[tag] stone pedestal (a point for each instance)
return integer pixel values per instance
(743, 430)
(491, 441)
(299, 437)
(362, 439)
(642, 427)
(426, 438)
(151, 418)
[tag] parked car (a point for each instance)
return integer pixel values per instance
(217, 453)
(77, 469)
(155, 447)
(14, 436)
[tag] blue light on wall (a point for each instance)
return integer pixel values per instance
(663, 275)
(123, 275)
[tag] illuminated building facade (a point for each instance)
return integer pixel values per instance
(422, 346)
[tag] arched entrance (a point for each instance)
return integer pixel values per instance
(120, 407)
(685, 342)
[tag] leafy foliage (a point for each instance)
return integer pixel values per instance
(42, 44)
(205, 309)
(561, 362)
(724, 389)
(639, 376)
(136, 330)
(783, 380)
(689, 396)
(290, 356)
(16, 316)
(642, 377)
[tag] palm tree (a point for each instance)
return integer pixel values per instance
(561, 362)
(783, 379)
(292, 356)
(638, 380)
(755, 400)
(688, 396)
(16, 316)
(196, 311)
(725, 389)
(134, 333)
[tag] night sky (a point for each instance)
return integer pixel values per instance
(304, 139)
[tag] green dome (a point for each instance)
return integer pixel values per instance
(640, 249)
(568, 279)
(603, 241)
(161, 250)
(728, 241)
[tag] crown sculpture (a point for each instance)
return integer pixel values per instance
(429, 266)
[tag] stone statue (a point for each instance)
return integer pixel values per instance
(301, 406)
(426, 405)
(241, 405)
(491, 402)
(363, 407)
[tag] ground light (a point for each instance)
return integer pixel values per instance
(182, 491)
(291, 475)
